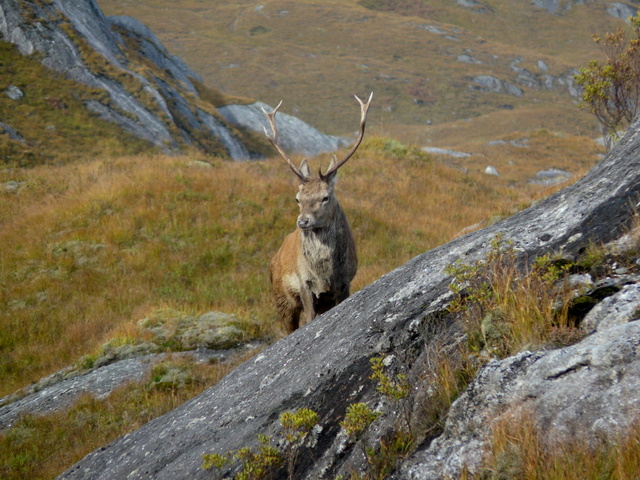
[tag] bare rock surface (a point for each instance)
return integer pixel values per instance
(294, 134)
(617, 309)
(589, 391)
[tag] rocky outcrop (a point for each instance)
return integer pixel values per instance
(62, 389)
(557, 7)
(213, 336)
(151, 93)
(294, 134)
(10, 132)
(523, 77)
(325, 365)
(621, 10)
(489, 83)
(589, 391)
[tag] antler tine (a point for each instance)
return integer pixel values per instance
(274, 140)
(364, 108)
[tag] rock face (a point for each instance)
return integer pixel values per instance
(159, 103)
(293, 134)
(587, 391)
(325, 366)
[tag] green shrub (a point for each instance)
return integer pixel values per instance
(611, 90)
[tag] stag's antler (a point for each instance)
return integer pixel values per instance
(274, 141)
(364, 108)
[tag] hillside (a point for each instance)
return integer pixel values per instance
(429, 63)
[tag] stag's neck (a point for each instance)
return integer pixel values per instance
(329, 235)
(321, 244)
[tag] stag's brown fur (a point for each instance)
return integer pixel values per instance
(312, 271)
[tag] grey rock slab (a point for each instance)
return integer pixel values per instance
(550, 176)
(293, 134)
(100, 383)
(589, 391)
(444, 151)
(60, 390)
(621, 307)
(8, 130)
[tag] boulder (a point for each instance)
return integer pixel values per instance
(444, 151)
(293, 134)
(550, 176)
(14, 93)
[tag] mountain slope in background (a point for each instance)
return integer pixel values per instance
(123, 75)
(429, 63)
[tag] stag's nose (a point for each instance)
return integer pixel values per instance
(304, 223)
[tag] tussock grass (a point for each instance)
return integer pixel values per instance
(520, 452)
(507, 307)
(89, 249)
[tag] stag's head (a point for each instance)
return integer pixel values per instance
(316, 198)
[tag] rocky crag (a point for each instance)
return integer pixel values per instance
(588, 390)
(149, 92)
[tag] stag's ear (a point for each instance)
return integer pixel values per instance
(331, 177)
(304, 169)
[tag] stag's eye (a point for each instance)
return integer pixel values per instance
(297, 201)
(325, 199)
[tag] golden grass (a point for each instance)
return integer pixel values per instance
(519, 452)
(301, 50)
(90, 248)
(507, 308)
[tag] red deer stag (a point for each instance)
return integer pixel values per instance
(313, 269)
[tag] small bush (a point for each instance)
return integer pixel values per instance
(612, 89)
(267, 459)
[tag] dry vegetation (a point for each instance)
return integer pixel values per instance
(42, 447)
(520, 452)
(90, 248)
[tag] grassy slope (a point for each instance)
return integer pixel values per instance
(90, 248)
(315, 54)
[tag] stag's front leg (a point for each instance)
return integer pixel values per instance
(306, 295)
